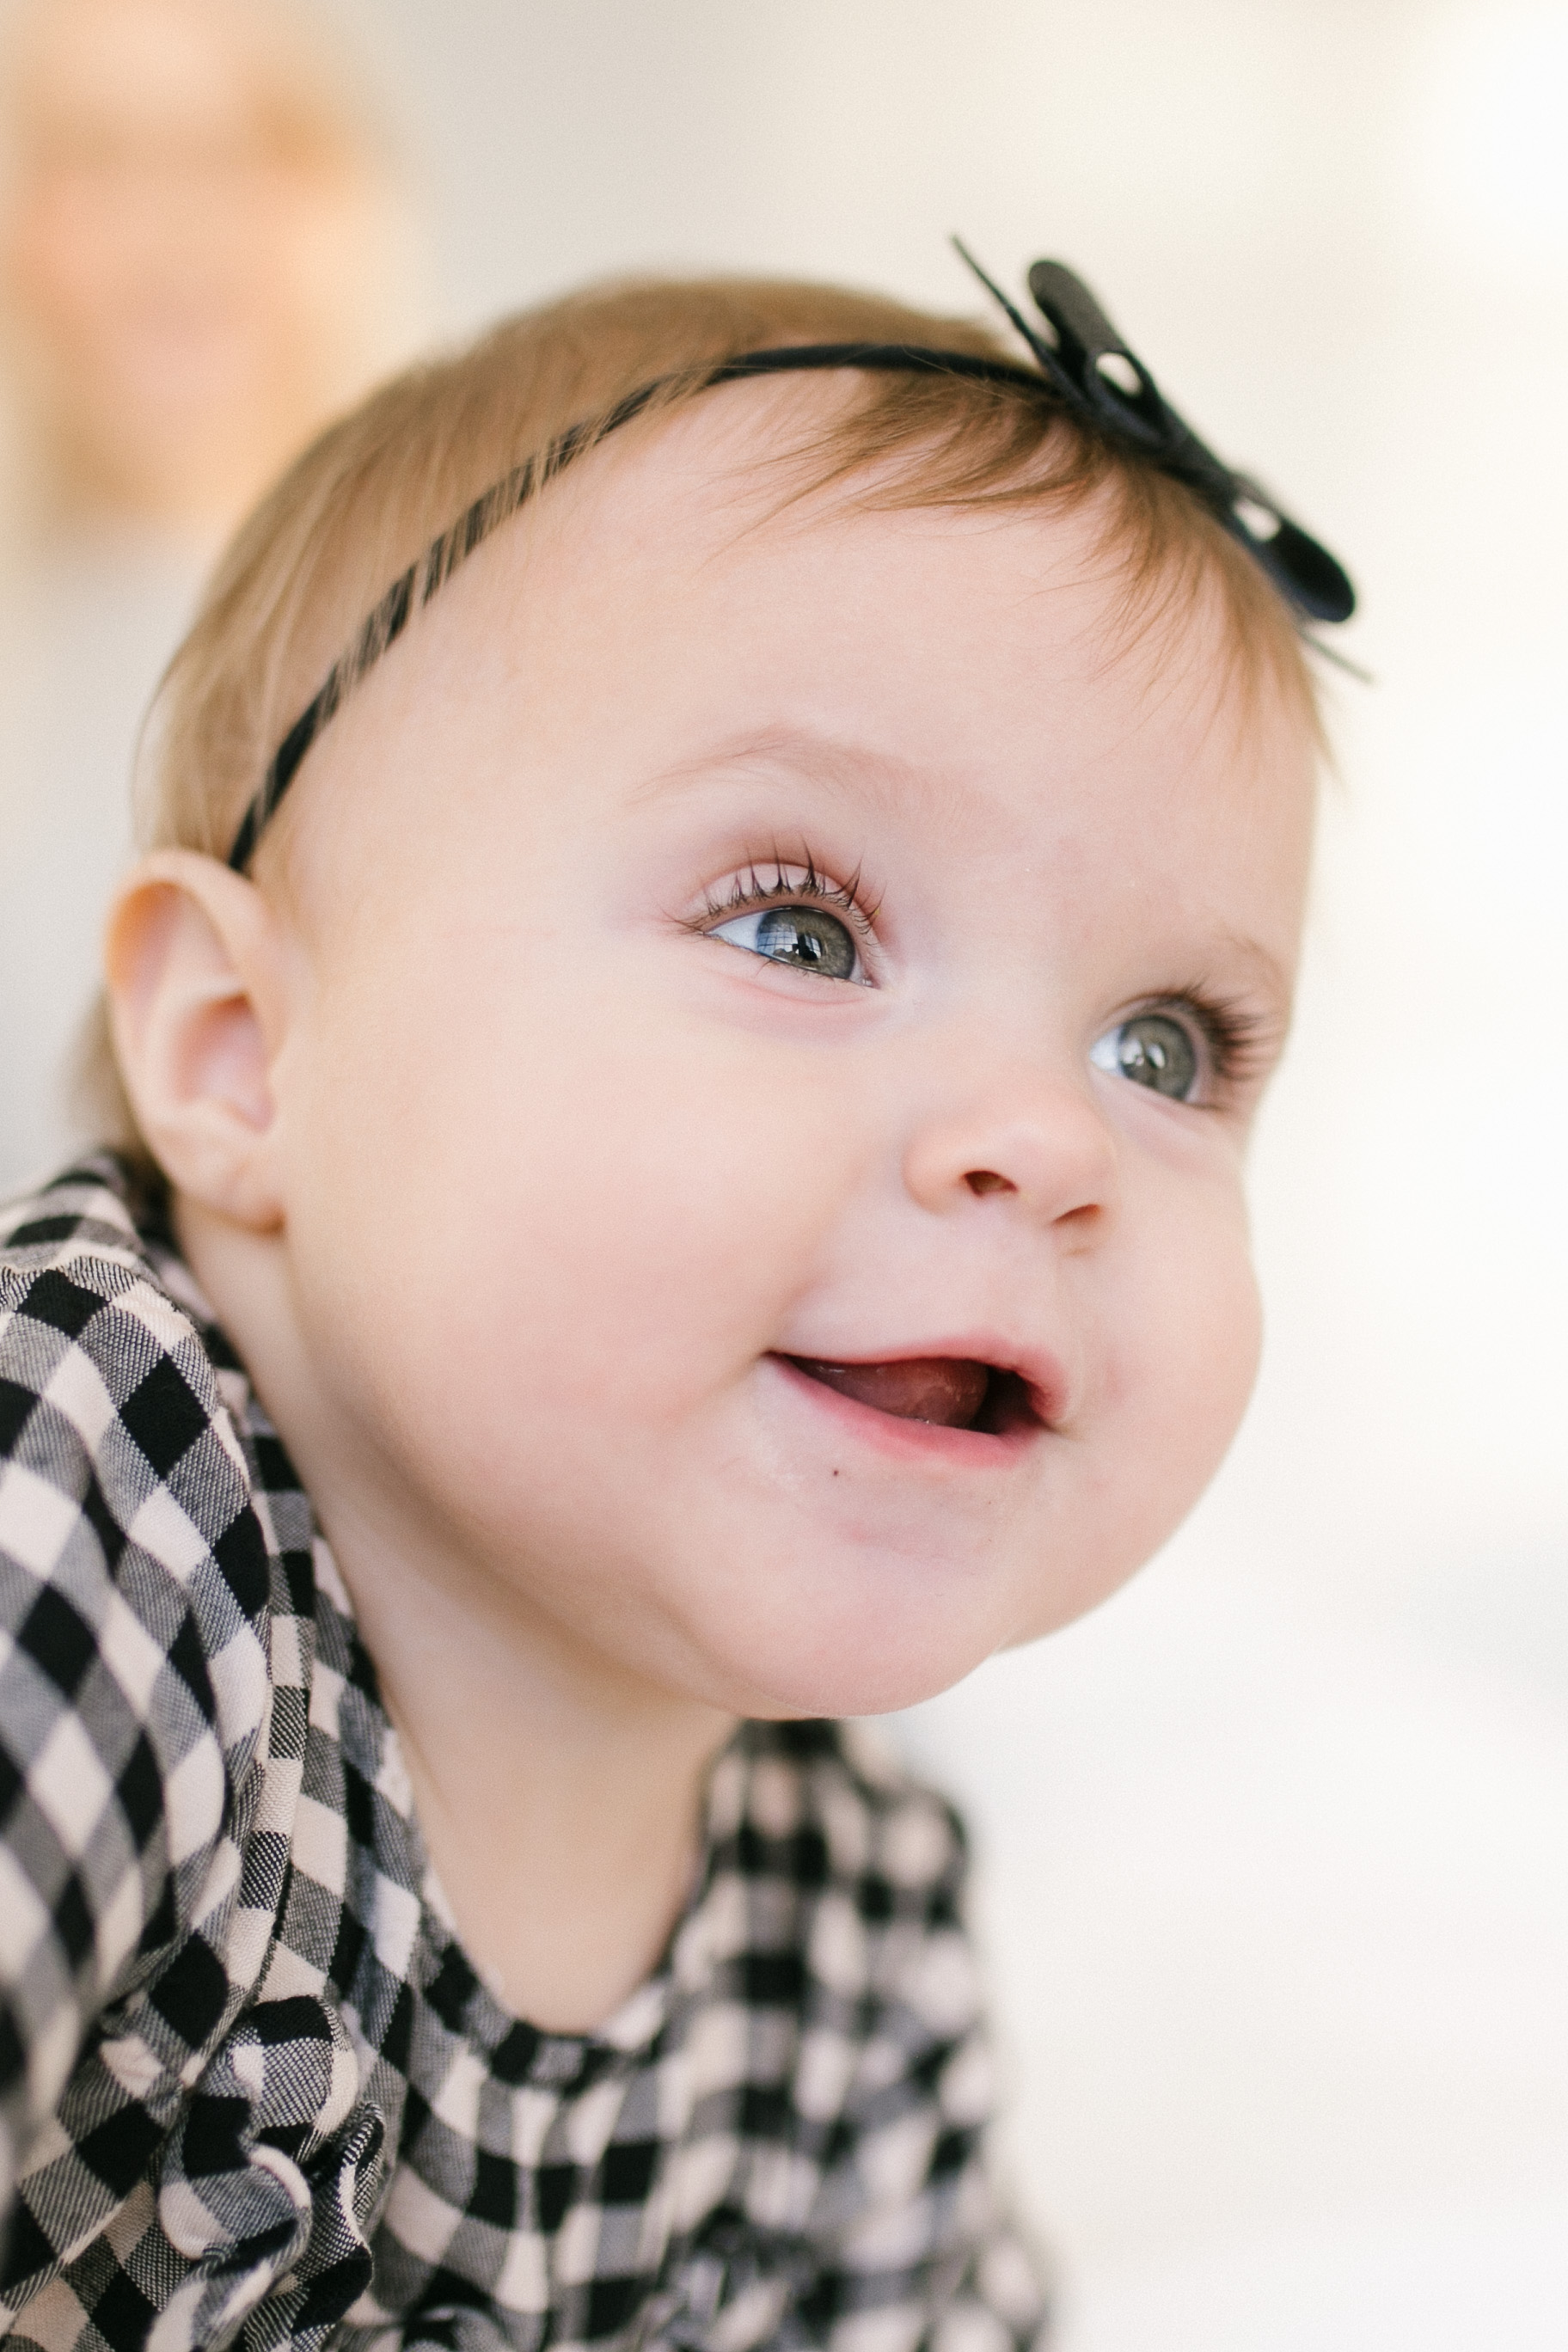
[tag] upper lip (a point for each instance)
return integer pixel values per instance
(1043, 1374)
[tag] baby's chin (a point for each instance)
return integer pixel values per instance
(828, 1623)
(875, 1659)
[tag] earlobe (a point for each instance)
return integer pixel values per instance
(198, 1011)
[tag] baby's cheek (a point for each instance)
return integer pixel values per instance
(1190, 1354)
(589, 1227)
(1177, 1369)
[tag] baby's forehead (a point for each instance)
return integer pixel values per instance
(691, 585)
(737, 495)
(715, 526)
(741, 460)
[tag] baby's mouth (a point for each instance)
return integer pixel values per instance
(953, 1391)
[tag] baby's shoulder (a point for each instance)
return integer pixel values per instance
(130, 1548)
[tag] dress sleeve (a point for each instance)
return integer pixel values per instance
(919, 2251)
(133, 1674)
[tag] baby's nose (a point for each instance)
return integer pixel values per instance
(1019, 1135)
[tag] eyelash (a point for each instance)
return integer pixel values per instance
(792, 878)
(1237, 1041)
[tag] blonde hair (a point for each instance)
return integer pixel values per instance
(367, 498)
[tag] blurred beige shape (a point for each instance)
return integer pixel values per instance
(203, 252)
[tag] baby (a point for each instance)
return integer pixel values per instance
(678, 1179)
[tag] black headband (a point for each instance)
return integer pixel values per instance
(1120, 404)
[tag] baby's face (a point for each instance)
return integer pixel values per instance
(778, 1008)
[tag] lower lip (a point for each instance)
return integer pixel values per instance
(927, 1442)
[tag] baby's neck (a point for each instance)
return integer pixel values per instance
(560, 1797)
(564, 1818)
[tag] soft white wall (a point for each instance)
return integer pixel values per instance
(1278, 1844)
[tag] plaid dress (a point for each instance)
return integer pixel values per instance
(251, 2089)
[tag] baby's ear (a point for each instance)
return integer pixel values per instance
(198, 1009)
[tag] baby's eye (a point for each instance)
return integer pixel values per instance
(1152, 1049)
(808, 939)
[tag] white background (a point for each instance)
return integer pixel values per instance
(1276, 1847)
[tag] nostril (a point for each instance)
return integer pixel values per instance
(986, 1179)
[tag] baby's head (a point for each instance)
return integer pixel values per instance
(718, 1107)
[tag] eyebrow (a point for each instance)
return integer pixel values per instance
(1269, 975)
(881, 777)
(836, 760)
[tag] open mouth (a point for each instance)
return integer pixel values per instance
(951, 1392)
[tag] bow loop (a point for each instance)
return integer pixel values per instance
(1107, 373)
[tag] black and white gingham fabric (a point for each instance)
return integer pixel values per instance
(250, 2089)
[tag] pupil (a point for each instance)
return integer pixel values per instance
(1158, 1052)
(808, 937)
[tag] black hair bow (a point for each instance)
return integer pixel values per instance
(1098, 377)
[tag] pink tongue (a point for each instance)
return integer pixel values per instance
(944, 1389)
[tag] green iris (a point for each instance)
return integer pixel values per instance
(808, 937)
(1152, 1050)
